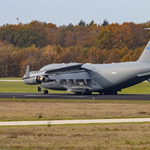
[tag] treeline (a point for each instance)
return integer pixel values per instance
(39, 44)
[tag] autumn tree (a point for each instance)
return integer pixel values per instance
(113, 57)
(115, 36)
(40, 43)
(105, 23)
(7, 33)
(94, 55)
(82, 23)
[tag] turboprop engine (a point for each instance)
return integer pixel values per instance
(36, 80)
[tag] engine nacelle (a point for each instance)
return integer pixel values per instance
(31, 81)
(36, 80)
(40, 79)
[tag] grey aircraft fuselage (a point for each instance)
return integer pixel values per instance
(87, 78)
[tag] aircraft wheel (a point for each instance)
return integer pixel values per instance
(77, 93)
(100, 93)
(105, 93)
(110, 93)
(45, 91)
(115, 93)
(87, 92)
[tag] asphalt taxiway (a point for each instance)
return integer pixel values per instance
(84, 121)
(72, 96)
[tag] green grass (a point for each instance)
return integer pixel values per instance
(141, 88)
(11, 78)
(76, 101)
(16, 87)
(21, 87)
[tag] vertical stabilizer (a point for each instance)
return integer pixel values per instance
(145, 56)
(27, 72)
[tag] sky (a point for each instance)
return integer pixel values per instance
(64, 12)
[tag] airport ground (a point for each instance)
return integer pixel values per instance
(27, 110)
(133, 136)
(84, 136)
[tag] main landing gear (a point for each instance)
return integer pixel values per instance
(87, 92)
(81, 93)
(108, 93)
(45, 91)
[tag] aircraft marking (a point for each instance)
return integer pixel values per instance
(148, 48)
(114, 72)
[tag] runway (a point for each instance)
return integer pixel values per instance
(61, 122)
(72, 96)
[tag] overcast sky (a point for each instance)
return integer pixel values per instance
(63, 12)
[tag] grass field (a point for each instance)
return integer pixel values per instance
(11, 110)
(133, 136)
(21, 87)
(11, 78)
(141, 88)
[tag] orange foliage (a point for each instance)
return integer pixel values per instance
(38, 44)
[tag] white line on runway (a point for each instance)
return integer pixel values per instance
(60, 122)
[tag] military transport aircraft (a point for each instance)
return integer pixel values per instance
(87, 78)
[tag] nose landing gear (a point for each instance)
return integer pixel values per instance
(45, 91)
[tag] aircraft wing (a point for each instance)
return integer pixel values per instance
(52, 70)
(66, 67)
(69, 73)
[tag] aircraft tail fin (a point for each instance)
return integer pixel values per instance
(27, 74)
(145, 56)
